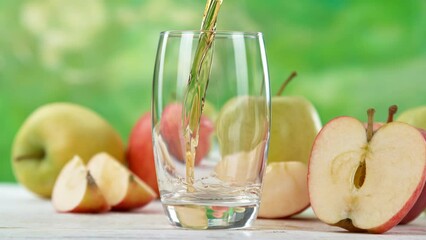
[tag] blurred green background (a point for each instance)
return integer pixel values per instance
(350, 55)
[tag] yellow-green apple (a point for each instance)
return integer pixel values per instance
(295, 124)
(140, 154)
(122, 189)
(75, 190)
(414, 116)
(172, 132)
(52, 135)
(284, 190)
(364, 180)
(242, 124)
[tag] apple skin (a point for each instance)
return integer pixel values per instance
(52, 135)
(140, 154)
(397, 217)
(171, 130)
(295, 125)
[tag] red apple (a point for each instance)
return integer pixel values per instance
(140, 154)
(171, 130)
(366, 181)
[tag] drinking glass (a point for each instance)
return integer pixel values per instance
(233, 129)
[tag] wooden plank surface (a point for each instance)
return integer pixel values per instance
(25, 216)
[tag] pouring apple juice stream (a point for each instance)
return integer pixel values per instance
(197, 86)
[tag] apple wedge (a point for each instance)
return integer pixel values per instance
(76, 191)
(366, 181)
(122, 189)
(285, 190)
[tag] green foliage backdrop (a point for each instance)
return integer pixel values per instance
(350, 55)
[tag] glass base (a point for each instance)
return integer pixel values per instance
(192, 216)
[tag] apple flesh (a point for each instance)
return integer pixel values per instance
(52, 135)
(171, 130)
(140, 154)
(366, 184)
(76, 191)
(285, 190)
(121, 188)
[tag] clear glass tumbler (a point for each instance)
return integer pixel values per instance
(233, 129)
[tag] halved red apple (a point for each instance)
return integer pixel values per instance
(366, 181)
(122, 189)
(76, 191)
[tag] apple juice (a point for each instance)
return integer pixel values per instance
(197, 86)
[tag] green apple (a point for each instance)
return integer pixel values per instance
(52, 135)
(414, 116)
(295, 124)
(242, 124)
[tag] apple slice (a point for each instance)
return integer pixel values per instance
(122, 189)
(76, 191)
(285, 190)
(366, 181)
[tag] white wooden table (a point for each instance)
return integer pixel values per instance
(25, 216)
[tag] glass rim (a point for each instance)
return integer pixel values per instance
(218, 33)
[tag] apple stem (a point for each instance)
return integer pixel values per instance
(286, 82)
(370, 113)
(392, 110)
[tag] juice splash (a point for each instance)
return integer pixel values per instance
(197, 86)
